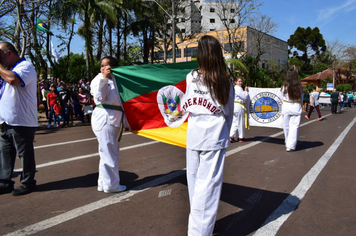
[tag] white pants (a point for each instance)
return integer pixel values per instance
(109, 148)
(238, 123)
(205, 176)
(291, 128)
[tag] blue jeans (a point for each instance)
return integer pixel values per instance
(17, 141)
(66, 115)
(51, 114)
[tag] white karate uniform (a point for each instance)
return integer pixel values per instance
(291, 113)
(238, 123)
(106, 126)
(208, 129)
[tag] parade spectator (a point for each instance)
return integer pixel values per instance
(292, 92)
(350, 99)
(346, 98)
(107, 124)
(51, 100)
(76, 104)
(64, 97)
(207, 134)
(83, 100)
(314, 103)
(85, 85)
(334, 99)
(341, 101)
(240, 120)
(18, 120)
(57, 110)
(306, 98)
(44, 91)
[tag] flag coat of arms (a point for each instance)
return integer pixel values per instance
(151, 96)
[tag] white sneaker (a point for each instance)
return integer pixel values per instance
(119, 189)
(289, 150)
(100, 188)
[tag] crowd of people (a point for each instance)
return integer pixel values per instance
(64, 103)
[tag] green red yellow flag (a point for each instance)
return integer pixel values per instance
(40, 26)
(151, 96)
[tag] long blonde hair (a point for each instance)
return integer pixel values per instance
(213, 68)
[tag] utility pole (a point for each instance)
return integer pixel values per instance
(173, 31)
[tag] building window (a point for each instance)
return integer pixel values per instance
(190, 52)
(227, 48)
(183, 30)
(212, 9)
(232, 10)
(212, 20)
(212, 29)
(182, 20)
(232, 21)
(178, 53)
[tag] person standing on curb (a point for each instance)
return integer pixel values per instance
(18, 119)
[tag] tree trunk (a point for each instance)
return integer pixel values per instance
(100, 38)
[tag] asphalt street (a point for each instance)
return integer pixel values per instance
(266, 190)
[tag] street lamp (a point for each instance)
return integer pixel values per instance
(173, 26)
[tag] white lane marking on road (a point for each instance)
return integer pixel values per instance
(280, 215)
(87, 156)
(37, 227)
(120, 197)
(69, 142)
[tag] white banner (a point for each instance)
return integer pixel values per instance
(324, 98)
(265, 107)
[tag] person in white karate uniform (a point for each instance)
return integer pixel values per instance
(240, 121)
(209, 99)
(292, 92)
(108, 120)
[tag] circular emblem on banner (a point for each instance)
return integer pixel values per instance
(265, 107)
(169, 103)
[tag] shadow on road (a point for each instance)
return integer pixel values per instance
(255, 206)
(301, 145)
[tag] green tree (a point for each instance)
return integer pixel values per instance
(76, 68)
(307, 41)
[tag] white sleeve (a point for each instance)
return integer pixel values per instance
(99, 88)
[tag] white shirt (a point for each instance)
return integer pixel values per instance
(209, 122)
(104, 91)
(18, 103)
(240, 97)
(290, 107)
(314, 95)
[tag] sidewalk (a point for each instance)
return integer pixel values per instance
(43, 122)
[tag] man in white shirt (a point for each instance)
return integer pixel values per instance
(18, 119)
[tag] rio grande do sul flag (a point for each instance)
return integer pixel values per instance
(151, 96)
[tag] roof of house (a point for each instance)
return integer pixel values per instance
(326, 73)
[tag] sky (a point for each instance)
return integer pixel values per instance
(335, 19)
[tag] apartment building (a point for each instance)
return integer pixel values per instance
(273, 48)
